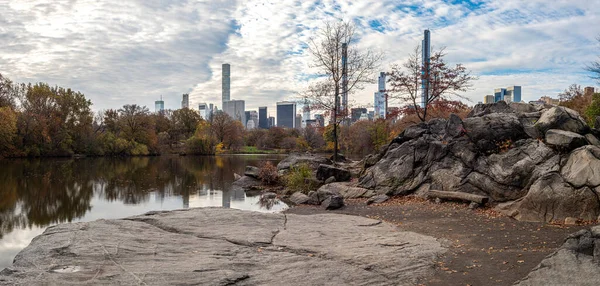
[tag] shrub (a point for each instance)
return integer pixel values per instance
(199, 146)
(299, 179)
(267, 173)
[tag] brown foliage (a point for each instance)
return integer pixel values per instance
(267, 173)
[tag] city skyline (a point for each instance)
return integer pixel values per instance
(183, 48)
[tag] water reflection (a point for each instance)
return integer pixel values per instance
(37, 193)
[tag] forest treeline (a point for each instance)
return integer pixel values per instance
(42, 120)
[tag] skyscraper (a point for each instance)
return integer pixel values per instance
(286, 114)
(320, 120)
(225, 83)
(426, 50)
(204, 111)
(271, 121)
(514, 92)
(263, 122)
(185, 101)
(298, 123)
(488, 99)
(380, 102)
(499, 94)
(159, 105)
(356, 113)
(236, 109)
(306, 112)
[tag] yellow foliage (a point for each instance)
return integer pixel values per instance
(220, 148)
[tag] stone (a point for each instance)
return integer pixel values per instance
(252, 171)
(236, 177)
(293, 160)
(473, 205)
(299, 198)
(317, 197)
(340, 158)
(583, 167)
(377, 199)
(246, 183)
(550, 198)
(269, 195)
(330, 180)
(454, 126)
(570, 221)
(492, 129)
(574, 263)
(438, 201)
(216, 246)
(484, 109)
(333, 202)
(343, 189)
(592, 139)
(560, 117)
(565, 140)
(326, 171)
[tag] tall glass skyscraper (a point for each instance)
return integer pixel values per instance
(286, 114)
(185, 101)
(426, 50)
(226, 83)
(159, 106)
(380, 103)
(263, 122)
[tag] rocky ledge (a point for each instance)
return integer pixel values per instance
(214, 246)
(537, 162)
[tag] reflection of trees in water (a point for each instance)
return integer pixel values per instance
(49, 191)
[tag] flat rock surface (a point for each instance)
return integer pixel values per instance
(214, 246)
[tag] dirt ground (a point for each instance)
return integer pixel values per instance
(486, 248)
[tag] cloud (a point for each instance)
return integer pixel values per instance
(120, 52)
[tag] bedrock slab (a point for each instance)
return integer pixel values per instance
(215, 246)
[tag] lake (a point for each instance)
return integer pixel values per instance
(37, 193)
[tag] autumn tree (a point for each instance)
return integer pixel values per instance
(327, 55)
(7, 95)
(575, 98)
(444, 81)
(185, 121)
(573, 91)
(226, 130)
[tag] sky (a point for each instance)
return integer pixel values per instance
(135, 51)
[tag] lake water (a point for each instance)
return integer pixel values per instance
(35, 194)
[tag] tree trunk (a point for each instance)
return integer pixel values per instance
(335, 125)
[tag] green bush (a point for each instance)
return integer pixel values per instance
(299, 179)
(199, 146)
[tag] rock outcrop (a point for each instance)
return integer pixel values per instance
(213, 246)
(324, 172)
(519, 155)
(293, 160)
(576, 262)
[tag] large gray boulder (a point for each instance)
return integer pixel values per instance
(551, 199)
(560, 117)
(576, 262)
(215, 246)
(345, 190)
(299, 198)
(252, 171)
(564, 140)
(497, 152)
(294, 160)
(333, 202)
(324, 172)
(246, 183)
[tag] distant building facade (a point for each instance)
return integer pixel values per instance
(320, 119)
(286, 114)
(204, 111)
(549, 100)
(588, 90)
(380, 102)
(489, 99)
(271, 121)
(509, 94)
(185, 101)
(251, 119)
(298, 123)
(263, 122)
(159, 106)
(225, 84)
(356, 113)
(235, 109)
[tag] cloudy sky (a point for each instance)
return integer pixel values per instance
(133, 51)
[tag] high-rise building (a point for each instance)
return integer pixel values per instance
(509, 94)
(488, 99)
(185, 101)
(499, 94)
(356, 113)
(271, 121)
(159, 105)
(306, 113)
(286, 114)
(514, 92)
(426, 51)
(380, 100)
(320, 120)
(588, 90)
(204, 111)
(263, 123)
(251, 119)
(235, 109)
(298, 123)
(225, 84)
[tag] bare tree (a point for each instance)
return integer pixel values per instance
(327, 54)
(444, 81)
(594, 67)
(573, 91)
